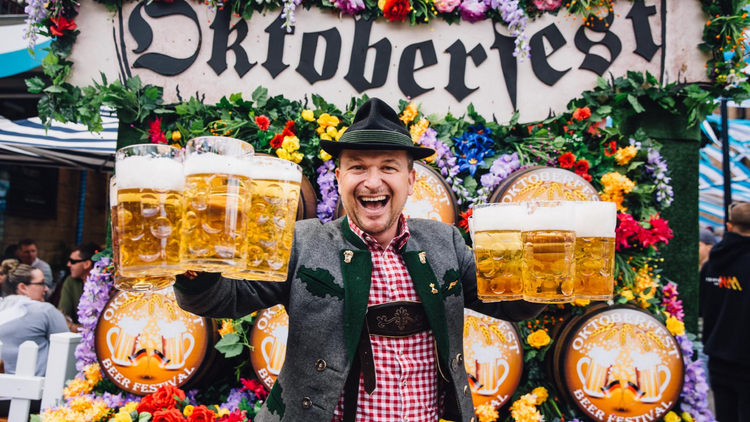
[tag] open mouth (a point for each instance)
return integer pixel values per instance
(374, 203)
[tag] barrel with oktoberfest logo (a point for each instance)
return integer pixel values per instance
(543, 183)
(618, 363)
(268, 340)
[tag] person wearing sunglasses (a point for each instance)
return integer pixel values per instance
(25, 316)
(80, 266)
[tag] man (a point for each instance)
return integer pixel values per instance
(80, 265)
(375, 301)
(725, 280)
(706, 241)
(27, 252)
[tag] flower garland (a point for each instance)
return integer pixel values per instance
(96, 291)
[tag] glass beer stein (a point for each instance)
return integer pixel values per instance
(595, 249)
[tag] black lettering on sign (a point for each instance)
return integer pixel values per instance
(595, 62)
(505, 46)
(220, 25)
(361, 44)
(306, 66)
(457, 73)
(274, 63)
(539, 63)
(644, 39)
(406, 69)
(143, 35)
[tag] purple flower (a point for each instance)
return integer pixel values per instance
(96, 292)
(328, 193)
(36, 14)
(657, 168)
(350, 7)
(288, 14)
(516, 19)
(473, 10)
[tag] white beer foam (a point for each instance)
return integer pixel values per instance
(282, 172)
(486, 354)
(505, 217)
(595, 218)
(171, 329)
(645, 360)
(113, 194)
(211, 163)
(280, 333)
(139, 172)
(603, 356)
(543, 216)
(132, 326)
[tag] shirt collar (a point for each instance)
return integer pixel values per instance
(398, 242)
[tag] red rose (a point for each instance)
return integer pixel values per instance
(582, 167)
(277, 140)
(586, 177)
(167, 415)
(163, 398)
(582, 113)
(256, 387)
(235, 416)
(201, 414)
(289, 127)
(61, 24)
(263, 122)
(610, 149)
(567, 160)
(396, 10)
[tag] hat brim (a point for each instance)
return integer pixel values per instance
(334, 148)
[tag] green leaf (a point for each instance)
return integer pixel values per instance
(514, 118)
(235, 97)
(260, 96)
(134, 83)
(636, 105)
(144, 417)
(229, 346)
(531, 354)
(54, 89)
(602, 83)
(35, 85)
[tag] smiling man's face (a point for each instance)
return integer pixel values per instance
(374, 186)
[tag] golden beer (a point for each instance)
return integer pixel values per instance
(549, 246)
(130, 284)
(595, 249)
(217, 189)
(149, 210)
(271, 216)
(498, 251)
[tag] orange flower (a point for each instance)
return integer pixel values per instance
(582, 113)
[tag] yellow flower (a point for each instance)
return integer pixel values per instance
(188, 410)
(227, 327)
(326, 120)
(341, 132)
(321, 130)
(538, 338)
(418, 130)
(282, 153)
(331, 131)
(675, 326)
(290, 143)
(324, 155)
(93, 373)
(671, 417)
(223, 411)
(296, 157)
(410, 112)
(77, 387)
(687, 417)
(524, 409)
(308, 115)
(80, 404)
(122, 417)
(98, 411)
(325, 137)
(616, 186)
(541, 395)
(581, 302)
(624, 155)
(381, 6)
(176, 136)
(487, 413)
(627, 294)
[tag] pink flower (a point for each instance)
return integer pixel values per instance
(547, 5)
(473, 10)
(626, 230)
(350, 7)
(446, 6)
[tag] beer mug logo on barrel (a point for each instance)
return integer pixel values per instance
(493, 358)
(149, 210)
(619, 362)
(129, 283)
(269, 340)
(217, 190)
(272, 214)
(541, 183)
(595, 249)
(548, 258)
(498, 251)
(144, 340)
(432, 199)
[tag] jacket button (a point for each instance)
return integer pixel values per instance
(320, 365)
(454, 365)
(466, 390)
(306, 403)
(460, 358)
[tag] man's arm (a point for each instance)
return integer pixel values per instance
(66, 299)
(513, 311)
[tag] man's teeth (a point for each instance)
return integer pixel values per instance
(374, 199)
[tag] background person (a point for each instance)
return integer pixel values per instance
(80, 265)
(725, 285)
(706, 241)
(27, 253)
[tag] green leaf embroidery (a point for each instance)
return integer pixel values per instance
(320, 283)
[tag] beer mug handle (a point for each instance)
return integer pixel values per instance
(502, 363)
(110, 345)
(192, 343)
(267, 353)
(579, 369)
(668, 378)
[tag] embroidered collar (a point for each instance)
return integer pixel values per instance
(398, 242)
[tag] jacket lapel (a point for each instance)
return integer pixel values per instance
(356, 269)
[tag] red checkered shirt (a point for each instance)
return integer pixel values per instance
(406, 368)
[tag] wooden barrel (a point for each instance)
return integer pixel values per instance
(433, 198)
(308, 204)
(544, 183)
(144, 340)
(268, 338)
(618, 363)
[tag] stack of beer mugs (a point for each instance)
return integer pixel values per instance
(544, 251)
(215, 207)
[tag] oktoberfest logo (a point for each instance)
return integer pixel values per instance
(545, 184)
(144, 340)
(269, 339)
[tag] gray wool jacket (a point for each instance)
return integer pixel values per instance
(326, 298)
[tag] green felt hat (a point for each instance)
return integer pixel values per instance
(376, 127)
